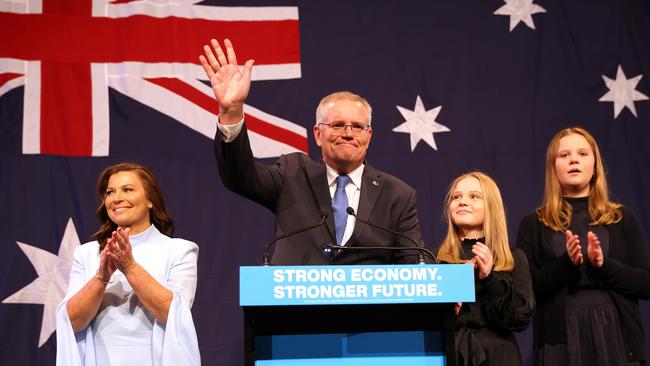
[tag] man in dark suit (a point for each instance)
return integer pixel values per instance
(301, 191)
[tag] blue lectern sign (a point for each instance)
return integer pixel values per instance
(359, 284)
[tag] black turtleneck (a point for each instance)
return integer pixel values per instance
(466, 245)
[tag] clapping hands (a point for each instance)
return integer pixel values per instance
(117, 254)
(483, 260)
(594, 249)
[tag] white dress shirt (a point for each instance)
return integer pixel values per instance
(352, 190)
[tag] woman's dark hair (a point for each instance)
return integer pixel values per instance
(157, 214)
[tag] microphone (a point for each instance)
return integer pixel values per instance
(267, 247)
(421, 251)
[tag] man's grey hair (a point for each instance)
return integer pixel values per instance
(341, 95)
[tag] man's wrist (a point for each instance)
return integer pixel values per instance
(231, 116)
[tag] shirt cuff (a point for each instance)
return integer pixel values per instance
(230, 132)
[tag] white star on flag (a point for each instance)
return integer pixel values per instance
(421, 124)
(52, 282)
(622, 92)
(520, 11)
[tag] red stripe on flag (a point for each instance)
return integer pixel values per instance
(75, 38)
(66, 109)
(68, 7)
(276, 133)
(188, 92)
(4, 78)
(252, 123)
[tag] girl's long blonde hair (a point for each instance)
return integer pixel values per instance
(495, 228)
(555, 211)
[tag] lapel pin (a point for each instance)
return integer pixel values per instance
(374, 183)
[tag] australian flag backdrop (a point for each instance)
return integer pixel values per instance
(455, 85)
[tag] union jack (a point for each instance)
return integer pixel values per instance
(146, 50)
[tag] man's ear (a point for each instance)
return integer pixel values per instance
(317, 134)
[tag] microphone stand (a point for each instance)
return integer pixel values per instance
(267, 247)
(416, 247)
(329, 248)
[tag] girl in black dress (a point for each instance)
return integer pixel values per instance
(477, 234)
(589, 262)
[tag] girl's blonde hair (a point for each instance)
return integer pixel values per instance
(555, 211)
(495, 228)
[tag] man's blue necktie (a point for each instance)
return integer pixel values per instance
(340, 206)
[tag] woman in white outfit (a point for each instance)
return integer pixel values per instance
(130, 291)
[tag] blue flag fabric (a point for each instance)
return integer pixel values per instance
(455, 86)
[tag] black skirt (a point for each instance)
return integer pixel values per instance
(484, 347)
(593, 334)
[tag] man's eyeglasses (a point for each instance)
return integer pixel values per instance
(339, 127)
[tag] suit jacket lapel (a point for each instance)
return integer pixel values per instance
(371, 184)
(317, 175)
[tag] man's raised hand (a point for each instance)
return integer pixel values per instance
(230, 85)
